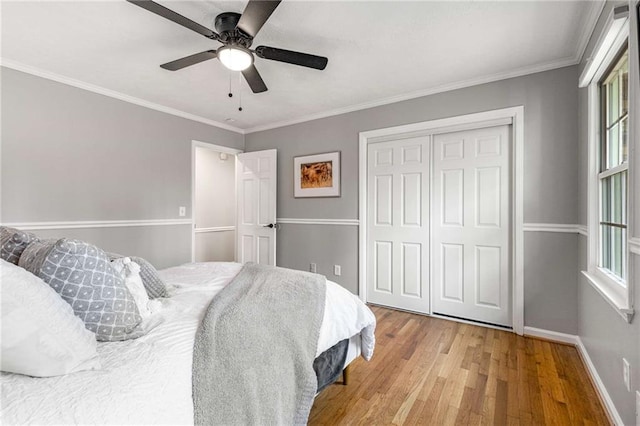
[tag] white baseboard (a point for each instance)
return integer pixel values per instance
(602, 390)
(591, 368)
(551, 335)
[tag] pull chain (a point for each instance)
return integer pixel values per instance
(240, 91)
(230, 93)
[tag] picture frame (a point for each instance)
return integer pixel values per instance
(317, 175)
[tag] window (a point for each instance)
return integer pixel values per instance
(614, 134)
(606, 77)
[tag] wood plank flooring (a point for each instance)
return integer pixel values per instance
(432, 371)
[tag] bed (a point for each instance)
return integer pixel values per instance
(148, 380)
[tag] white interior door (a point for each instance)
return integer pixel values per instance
(256, 222)
(471, 225)
(398, 224)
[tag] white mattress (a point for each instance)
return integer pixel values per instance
(148, 380)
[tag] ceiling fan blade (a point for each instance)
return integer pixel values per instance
(290, 57)
(256, 83)
(255, 15)
(175, 17)
(178, 64)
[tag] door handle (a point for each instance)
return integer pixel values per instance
(271, 225)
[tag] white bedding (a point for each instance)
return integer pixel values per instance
(148, 380)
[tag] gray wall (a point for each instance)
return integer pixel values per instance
(550, 100)
(73, 155)
(299, 245)
(606, 335)
(215, 196)
(215, 246)
(215, 189)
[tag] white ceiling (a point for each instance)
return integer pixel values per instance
(378, 51)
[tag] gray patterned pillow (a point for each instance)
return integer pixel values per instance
(152, 282)
(83, 276)
(13, 242)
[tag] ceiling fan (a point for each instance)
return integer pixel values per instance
(236, 33)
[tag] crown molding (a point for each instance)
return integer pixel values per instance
(548, 66)
(28, 69)
(588, 27)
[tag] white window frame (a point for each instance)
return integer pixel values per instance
(615, 35)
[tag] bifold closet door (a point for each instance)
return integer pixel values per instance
(470, 225)
(398, 224)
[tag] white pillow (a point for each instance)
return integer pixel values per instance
(130, 273)
(40, 334)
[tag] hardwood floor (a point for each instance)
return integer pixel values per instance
(431, 371)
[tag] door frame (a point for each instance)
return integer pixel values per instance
(514, 115)
(213, 147)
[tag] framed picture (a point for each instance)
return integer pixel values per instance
(317, 175)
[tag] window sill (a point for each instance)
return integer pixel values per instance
(621, 307)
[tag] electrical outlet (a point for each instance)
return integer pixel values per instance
(626, 374)
(182, 211)
(312, 267)
(337, 270)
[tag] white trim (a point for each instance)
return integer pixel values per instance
(586, 359)
(442, 125)
(518, 218)
(433, 126)
(600, 387)
(583, 230)
(214, 229)
(587, 30)
(613, 171)
(419, 93)
(553, 227)
(615, 32)
(218, 148)
(614, 35)
(83, 224)
(554, 336)
(612, 297)
(363, 141)
(1, 123)
(634, 245)
(439, 127)
(14, 65)
(300, 221)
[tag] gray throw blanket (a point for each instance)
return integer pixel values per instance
(253, 353)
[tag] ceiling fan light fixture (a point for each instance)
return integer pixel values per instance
(235, 58)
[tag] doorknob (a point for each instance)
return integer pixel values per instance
(271, 225)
